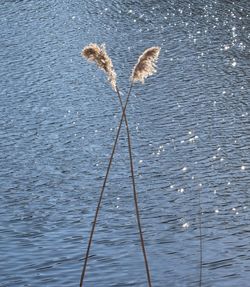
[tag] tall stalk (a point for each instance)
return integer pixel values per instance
(135, 193)
(103, 187)
(200, 239)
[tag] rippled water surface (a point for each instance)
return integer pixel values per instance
(190, 136)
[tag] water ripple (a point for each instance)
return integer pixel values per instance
(190, 135)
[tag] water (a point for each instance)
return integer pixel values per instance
(190, 135)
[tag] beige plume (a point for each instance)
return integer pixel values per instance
(146, 65)
(98, 54)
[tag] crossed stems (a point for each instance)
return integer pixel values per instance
(134, 190)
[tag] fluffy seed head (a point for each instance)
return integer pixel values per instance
(146, 65)
(98, 54)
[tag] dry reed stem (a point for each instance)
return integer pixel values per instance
(103, 188)
(98, 54)
(146, 65)
(134, 191)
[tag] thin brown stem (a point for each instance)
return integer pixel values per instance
(200, 238)
(135, 194)
(103, 187)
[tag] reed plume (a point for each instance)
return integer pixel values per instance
(146, 65)
(98, 54)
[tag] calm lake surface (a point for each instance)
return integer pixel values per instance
(190, 135)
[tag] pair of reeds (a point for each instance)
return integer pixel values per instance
(145, 66)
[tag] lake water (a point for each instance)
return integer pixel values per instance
(190, 135)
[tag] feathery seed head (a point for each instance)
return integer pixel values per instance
(98, 54)
(146, 64)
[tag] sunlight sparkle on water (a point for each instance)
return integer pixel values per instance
(226, 47)
(193, 139)
(235, 210)
(234, 63)
(181, 190)
(185, 225)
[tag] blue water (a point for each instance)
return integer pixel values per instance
(190, 135)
